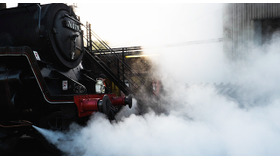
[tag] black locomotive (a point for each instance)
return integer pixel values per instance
(46, 76)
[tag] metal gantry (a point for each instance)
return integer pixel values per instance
(112, 61)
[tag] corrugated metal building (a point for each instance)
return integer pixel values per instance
(247, 25)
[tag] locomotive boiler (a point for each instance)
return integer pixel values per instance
(47, 77)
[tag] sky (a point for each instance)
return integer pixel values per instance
(151, 24)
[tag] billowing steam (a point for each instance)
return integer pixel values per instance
(214, 106)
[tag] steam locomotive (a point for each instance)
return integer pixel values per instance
(46, 76)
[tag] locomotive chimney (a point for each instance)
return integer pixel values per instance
(2, 6)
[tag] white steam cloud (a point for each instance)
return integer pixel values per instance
(215, 107)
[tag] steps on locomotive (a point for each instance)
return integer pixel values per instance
(103, 54)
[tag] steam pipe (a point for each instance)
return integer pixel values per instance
(15, 124)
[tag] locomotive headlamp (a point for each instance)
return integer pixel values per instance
(99, 86)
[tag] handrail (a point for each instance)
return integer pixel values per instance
(114, 60)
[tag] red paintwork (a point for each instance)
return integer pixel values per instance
(87, 104)
(117, 101)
